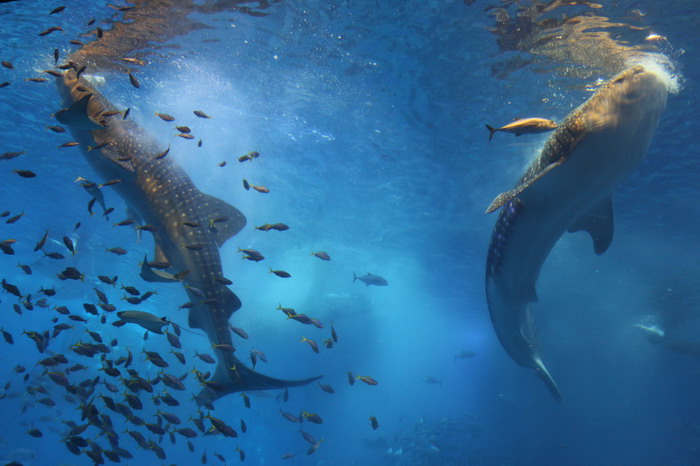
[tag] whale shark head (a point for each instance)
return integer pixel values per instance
(638, 94)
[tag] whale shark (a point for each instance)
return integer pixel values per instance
(567, 188)
(658, 336)
(188, 226)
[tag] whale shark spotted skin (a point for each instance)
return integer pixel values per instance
(163, 196)
(567, 188)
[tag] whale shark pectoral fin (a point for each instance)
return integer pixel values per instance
(507, 196)
(77, 115)
(155, 327)
(232, 219)
(599, 222)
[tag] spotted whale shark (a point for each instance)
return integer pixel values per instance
(188, 226)
(567, 188)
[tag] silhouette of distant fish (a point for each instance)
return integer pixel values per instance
(370, 279)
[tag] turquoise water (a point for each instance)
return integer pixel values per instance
(369, 120)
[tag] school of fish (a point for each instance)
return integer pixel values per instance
(117, 407)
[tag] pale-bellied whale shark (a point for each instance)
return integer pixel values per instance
(659, 337)
(163, 196)
(567, 188)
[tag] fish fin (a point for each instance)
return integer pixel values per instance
(518, 134)
(156, 327)
(216, 208)
(507, 196)
(244, 379)
(544, 374)
(492, 131)
(155, 276)
(232, 302)
(77, 115)
(600, 223)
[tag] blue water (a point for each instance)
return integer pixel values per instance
(369, 118)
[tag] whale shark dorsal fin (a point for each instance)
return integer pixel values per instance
(599, 222)
(507, 196)
(232, 222)
(230, 304)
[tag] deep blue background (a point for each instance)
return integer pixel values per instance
(369, 120)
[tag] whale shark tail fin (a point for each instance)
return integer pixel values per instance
(240, 378)
(544, 374)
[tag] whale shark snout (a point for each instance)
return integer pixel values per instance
(567, 188)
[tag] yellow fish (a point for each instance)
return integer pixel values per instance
(524, 126)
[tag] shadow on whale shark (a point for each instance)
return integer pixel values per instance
(567, 188)
(159, 191)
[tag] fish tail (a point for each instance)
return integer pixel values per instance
(492, 130)
(543, 373)
(243, 379)
(354, 277)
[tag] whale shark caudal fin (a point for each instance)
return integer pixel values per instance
(240, 378)
(544, 374)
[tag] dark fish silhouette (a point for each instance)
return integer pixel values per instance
(370, 279)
